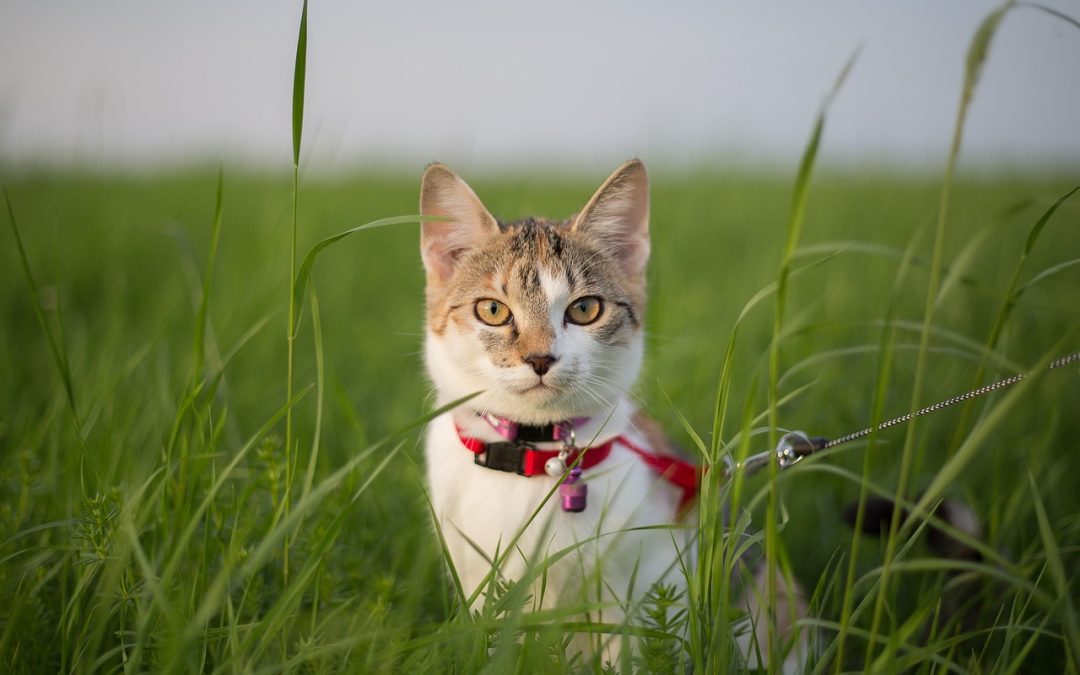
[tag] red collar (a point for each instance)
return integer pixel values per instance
(525, 460)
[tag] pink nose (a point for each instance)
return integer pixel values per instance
(540, 362)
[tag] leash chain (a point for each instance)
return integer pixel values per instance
(975, 393)
(795, 445)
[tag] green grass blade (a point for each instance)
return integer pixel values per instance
(964, 260)
(444, 549)
(1012, 295)
(208, 280)
(1037, 228)
(59, 357)
(320, 384)
(216, 591)
(286, 603)
(1062, 583)
(180, 546)
(723, 386)
(796, 217)
(887, 345)
(303, 276)
(911, 459)
(299, 77)
(1047, 273)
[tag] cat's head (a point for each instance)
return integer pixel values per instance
(543, 317)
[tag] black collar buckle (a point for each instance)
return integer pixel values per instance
(508, 456)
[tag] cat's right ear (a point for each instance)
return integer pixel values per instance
(468, 224)
(618, 217)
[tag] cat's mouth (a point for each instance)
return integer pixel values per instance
(541, 387)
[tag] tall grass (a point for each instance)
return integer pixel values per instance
(192, 514)
(911, 458)
(775, 649)
(299, 78)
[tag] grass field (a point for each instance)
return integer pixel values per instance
(144, 527)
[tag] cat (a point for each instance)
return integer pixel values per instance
(545, 320)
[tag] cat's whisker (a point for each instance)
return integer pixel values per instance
(594, 377)
(603, 401)
(608, 385)
(604, 386)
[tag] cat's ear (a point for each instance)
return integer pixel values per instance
(469, 224)
(618, 216)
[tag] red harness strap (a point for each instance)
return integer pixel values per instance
(674, 470)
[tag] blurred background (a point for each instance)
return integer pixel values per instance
(491, 85)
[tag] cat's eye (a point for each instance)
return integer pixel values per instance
(584, 311)
(492, 312)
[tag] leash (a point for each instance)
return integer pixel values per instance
(795, 445)
(519, 454)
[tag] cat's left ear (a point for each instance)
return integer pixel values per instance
(468, 224)
(618, 216)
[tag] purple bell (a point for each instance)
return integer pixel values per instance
(574, 492)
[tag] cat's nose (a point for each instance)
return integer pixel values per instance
(540, 362)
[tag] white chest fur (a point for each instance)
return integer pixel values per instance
(484, 513)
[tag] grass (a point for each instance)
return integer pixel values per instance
(170, 504)
(111, 552)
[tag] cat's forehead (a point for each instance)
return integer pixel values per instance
(535, 236)
(526, 248)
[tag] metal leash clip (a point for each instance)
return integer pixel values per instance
(795, 445)
(791, 448)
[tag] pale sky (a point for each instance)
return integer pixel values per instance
(140, 83)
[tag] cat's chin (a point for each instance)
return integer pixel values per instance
(545, 404)
(542, 396)
(538, 390)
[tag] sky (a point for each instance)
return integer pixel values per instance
(497, 85)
